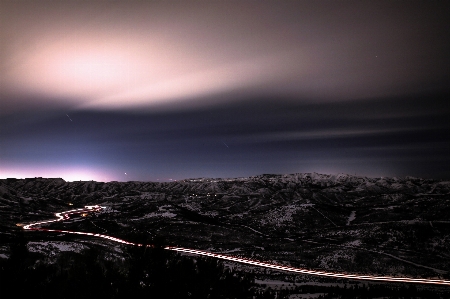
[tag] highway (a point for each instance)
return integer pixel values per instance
(89, 209)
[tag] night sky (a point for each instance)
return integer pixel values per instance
(172, 90)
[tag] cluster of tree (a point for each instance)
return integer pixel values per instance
(144, 273)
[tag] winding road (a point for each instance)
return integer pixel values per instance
(89, 209)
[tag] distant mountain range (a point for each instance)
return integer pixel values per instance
(384, 226)
(246, 185)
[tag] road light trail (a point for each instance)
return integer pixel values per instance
(65, 216)
(305, 271)
(89, 209)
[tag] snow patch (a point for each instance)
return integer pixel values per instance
(280, 215)
(351, 217)
(307, 295)
(52, 246)
(164, 215)
(355, 243)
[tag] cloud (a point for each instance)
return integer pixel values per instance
(321, 134)
(198, 84)
(134, 55)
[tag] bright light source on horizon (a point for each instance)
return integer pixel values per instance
(67, 174)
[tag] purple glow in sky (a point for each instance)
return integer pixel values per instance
(222, 88)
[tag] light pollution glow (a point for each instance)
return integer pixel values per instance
(116, 56)
(96, 70)
(71, 174)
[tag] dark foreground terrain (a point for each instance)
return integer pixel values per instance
(339, 223)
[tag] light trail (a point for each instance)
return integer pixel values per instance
(88, 209)
(305, 271)
(65, 216)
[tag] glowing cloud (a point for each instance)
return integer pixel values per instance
(120, 72)
(79, 68)
(97, 55)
